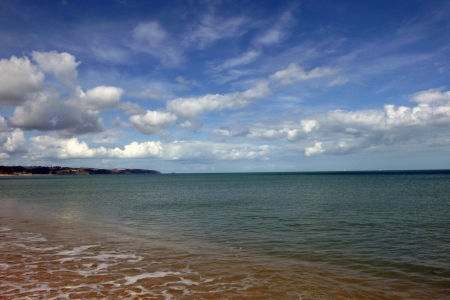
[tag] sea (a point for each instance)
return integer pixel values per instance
(336, 235)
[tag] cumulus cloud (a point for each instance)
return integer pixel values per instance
(62, 65)
(188, 110)
(207, 150)
(102, 98)
(192, 108)
(18, 79)
(46, 112)
(297, 131)
(42, 108)
(432, 97)
(317, 148)
(72, 148)
(344, 132)
(12, 141)
(51, 147)
(152, 121)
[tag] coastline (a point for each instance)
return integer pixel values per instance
(57, 170)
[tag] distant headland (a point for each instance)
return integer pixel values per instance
(57, 170)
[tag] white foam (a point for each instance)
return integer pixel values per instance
(188, 282)
(158, 274)
(182, 280)
(4, 267)
(31, 237)
(88, 265)
(4, 229)
(35, 248)
(107, 256)
(44, 249)
(95, 271)
(41, 287)
(63, 260)
(76, 250)
(166, 295)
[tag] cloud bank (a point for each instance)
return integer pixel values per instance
(61, 119)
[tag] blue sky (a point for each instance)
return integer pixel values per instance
(225, 86)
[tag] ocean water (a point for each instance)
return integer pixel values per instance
(226, 236)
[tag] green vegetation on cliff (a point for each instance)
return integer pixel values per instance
(57, 170)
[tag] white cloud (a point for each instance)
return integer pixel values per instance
(291, 135)
(294, 73)
(227, 132)
(343, 132)
(207, 150)
(272, 36)
(297, 131)
(278, 32)
(103, 98)
(61, 149)
(192, 108)
(309, 125)
(432, 96)
(54, 148)
(152, 121)
(11, 141)
(181, 80)
(184, 84)
(211, 28)
(146, 94)
(131, 108)
(244, 59)
(109, 135)
(152, 38)
(62, 65)
(340, 80)
(152, 32)
(108, 53)
(46, 111)
(116, 122)
(316, 149)
(190, 125)
(18, 79)
(22, 85)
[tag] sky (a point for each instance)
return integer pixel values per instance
(226, 86)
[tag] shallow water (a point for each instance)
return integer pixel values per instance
(226, 236)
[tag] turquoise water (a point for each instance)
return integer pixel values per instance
(362, 235)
